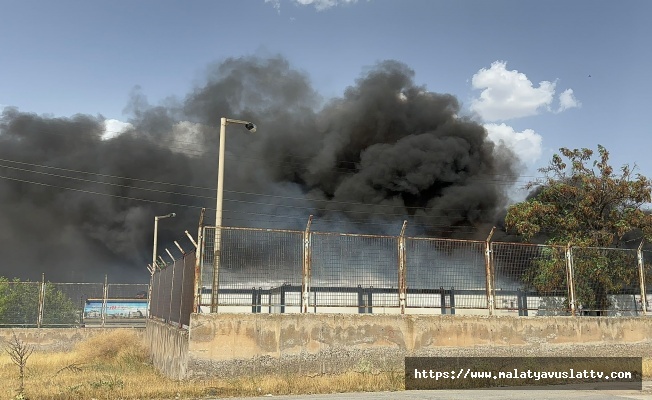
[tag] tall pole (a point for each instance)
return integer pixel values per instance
(218, 206)
(154, 263)
(217, 244)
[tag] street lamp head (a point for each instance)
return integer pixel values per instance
(170, 215)
(250, 127)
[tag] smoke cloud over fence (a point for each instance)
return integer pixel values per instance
(386, 150)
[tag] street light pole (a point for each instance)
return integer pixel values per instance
(218, 207)
(154, 263)
(156, 218)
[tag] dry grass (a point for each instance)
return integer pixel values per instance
(115, 366)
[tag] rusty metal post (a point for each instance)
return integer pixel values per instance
(402, 271)
(105, 295)
(570, 274)
(641, 278)
(151, 270)
(491, 305)
(183, 278)
(307, 257)
(41, 301)
(197, 287)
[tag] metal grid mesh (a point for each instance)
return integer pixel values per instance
(606, 280)
(172, 291)
(344, 265)
(257, 267)
(261, 271)
(127, 290)
(452, 271)
(19, 303)
(64, 303)
(207, 261)
(530, 278)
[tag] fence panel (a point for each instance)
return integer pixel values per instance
(64, 304)
(530, 279)
(270, 260)
(445, 274)
(354, 271)
(606, 281)
(162, 292)
(19, 303)
(187, 289)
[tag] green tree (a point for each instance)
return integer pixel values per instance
(584, 203)
(19, 304)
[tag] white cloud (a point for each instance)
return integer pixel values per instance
(567, 100)
(114, 127)
(509, 94)
(526, 144)
(320, 5)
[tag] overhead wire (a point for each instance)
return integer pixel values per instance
(248, 213)
(270, 205)
(304, 159)
(293, 198)
(328, 201)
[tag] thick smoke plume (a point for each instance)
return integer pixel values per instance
(387, 150)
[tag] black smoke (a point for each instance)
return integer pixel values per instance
(386, 151)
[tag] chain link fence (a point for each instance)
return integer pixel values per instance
(285, 271)
(530, 278)
(49, 304)
(267, 270)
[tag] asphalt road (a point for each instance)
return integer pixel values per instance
(496, 394)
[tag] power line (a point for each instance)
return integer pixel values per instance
(294, 198)
(303, 159)
(98, 193)
(275, 205)
(235, 211)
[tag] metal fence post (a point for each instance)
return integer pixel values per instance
(402, 272)
(305, 280)
(641, 277)
(183, 279)
(105, 294)
(41, 301)
(198, 286)
(452, 300)
(491, 306)
(570, 274)
(152, 270)
(442, 296)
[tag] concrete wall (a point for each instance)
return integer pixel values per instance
(54, 339)
(168, 346)
(245, 344)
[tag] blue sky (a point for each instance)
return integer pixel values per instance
(68, 57)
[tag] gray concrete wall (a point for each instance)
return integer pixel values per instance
(168, 346)
(245, 344)
(55, 339)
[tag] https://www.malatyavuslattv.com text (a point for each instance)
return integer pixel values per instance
(467, 373)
